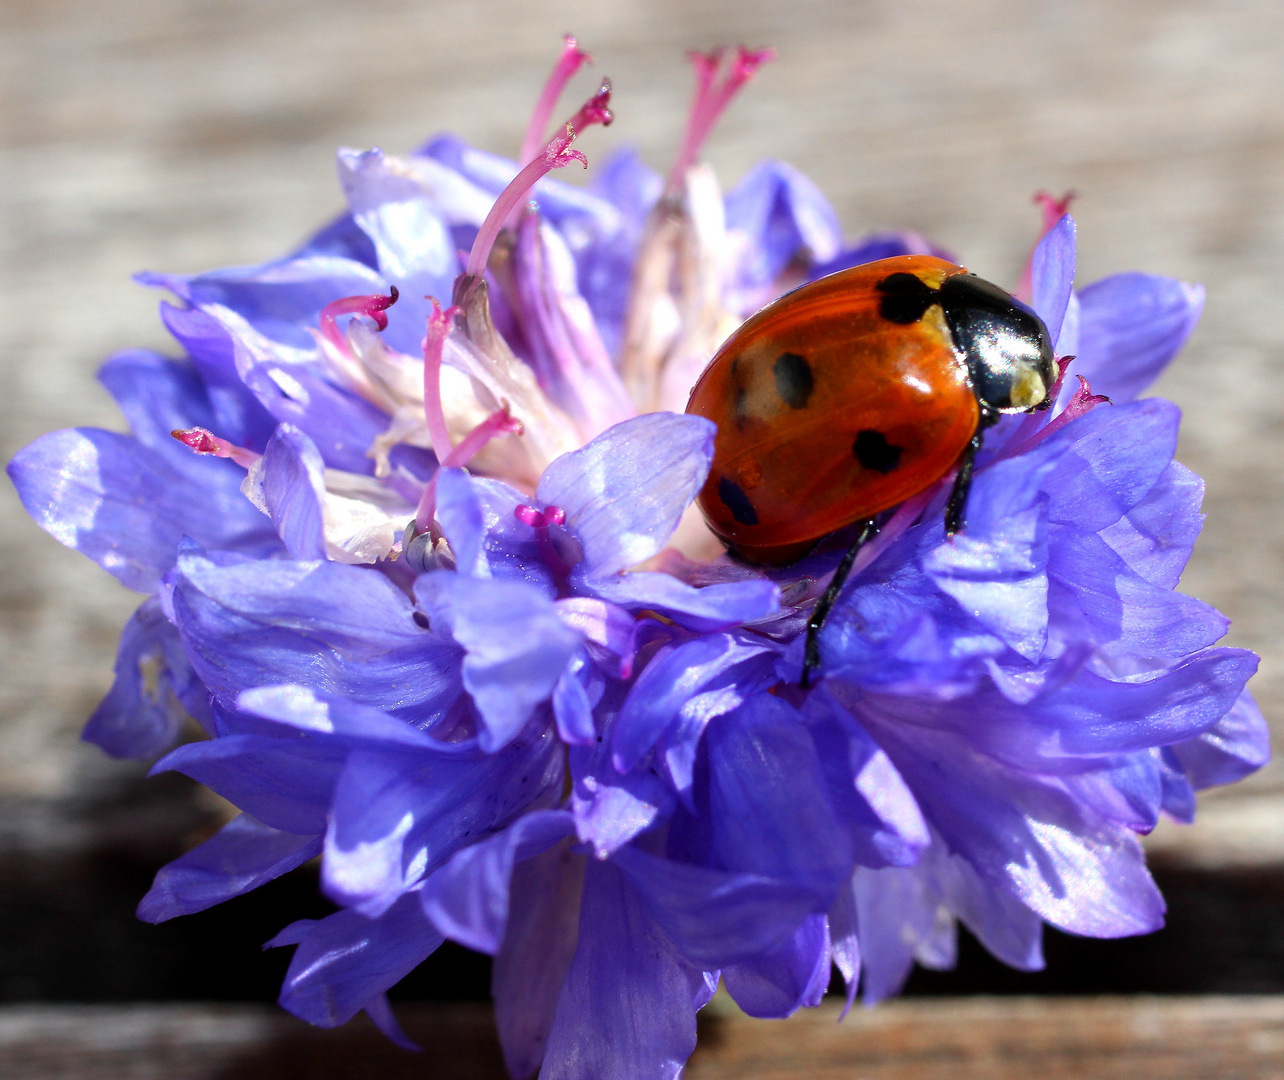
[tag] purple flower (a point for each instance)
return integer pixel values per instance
(434, 586)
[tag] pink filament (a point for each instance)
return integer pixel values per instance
(540, 521)
(373, 307)
(711, 101)
(571, 60)
(556, 154)
(497, 423)
(596, 110)
(206, 442)
(1035, 421)
(1084, 400)
(434, 414)
(1053, 211)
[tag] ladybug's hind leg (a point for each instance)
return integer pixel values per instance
(811, 647)
(955, 509)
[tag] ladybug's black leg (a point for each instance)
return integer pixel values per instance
(811, 648)
(956, 507)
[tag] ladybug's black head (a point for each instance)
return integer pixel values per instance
(1006, 345)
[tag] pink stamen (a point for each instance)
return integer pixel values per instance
(597, 110)
(434, 342)
(1084, 400)
(497, 423)
(206, 442)
(373, 307)
(711, 101)
(571, 60)
(541, 521)
(1063, 365)
(1054, 210)
(1032, 422)
(594, 111)
(557, 154)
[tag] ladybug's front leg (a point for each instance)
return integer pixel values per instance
(955, 508)
(811, 647)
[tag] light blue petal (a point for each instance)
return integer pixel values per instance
(516, 647)
(1131, 326)
(1052, 276)
(293, 480)
(241, 856)
(344, 630)
(627, 1009)
(716, 917)
(625, 492)
(399, 814)
(682, 688)
(1024, 834)
(125, 506)
(707, 609)
(468, 898)
(1237, 745)
(153, 691)
(792, 976)
(287, 784)
(304, 709)
(345, 962)
(768, 807)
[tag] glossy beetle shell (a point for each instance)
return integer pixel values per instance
(829, 410)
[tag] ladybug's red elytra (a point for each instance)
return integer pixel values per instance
(855, 392)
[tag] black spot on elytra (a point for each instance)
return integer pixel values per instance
(794, 383)
(905, 298)
(735, 500)
(873, 451)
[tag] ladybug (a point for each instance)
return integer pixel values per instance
(851, 394)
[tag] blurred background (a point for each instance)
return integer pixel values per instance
(181, 135)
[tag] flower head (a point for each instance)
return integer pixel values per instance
(416, 539)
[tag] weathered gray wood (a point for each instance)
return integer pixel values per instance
(972, 1039)
(181, 135)
(1012, 1039)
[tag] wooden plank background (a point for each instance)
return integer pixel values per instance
(978, 1039)
(187, 134)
